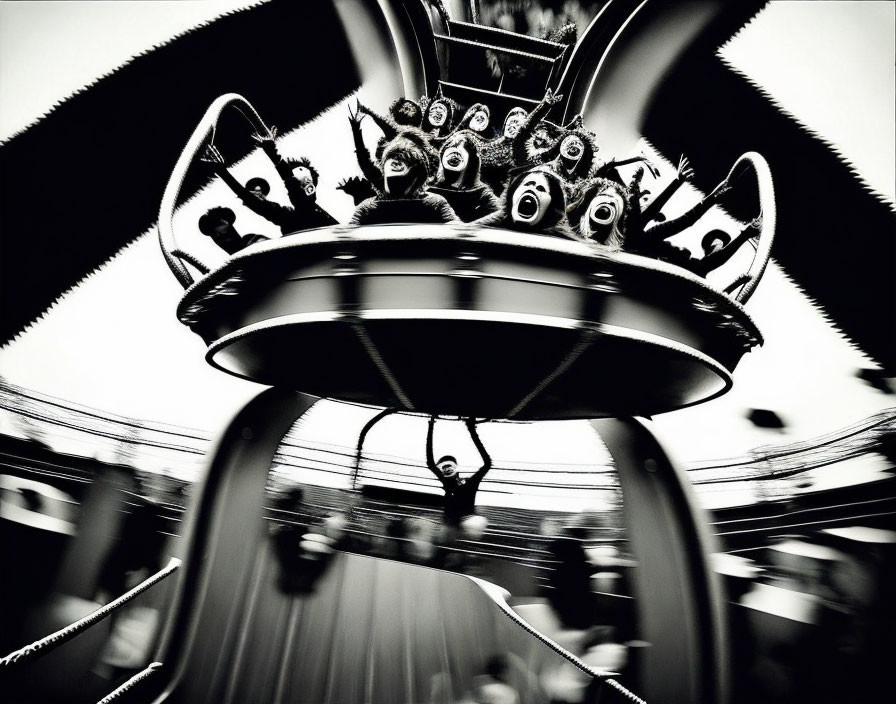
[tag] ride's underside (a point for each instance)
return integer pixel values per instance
(469, 322)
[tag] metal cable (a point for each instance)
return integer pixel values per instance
(381, 365)
(584, 342)
(53, 640)
(603, 677)
(131, 683)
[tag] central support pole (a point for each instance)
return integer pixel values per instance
(221, 543)
(681, 608)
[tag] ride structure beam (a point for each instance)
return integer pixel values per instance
(681, 605)
(226, 514)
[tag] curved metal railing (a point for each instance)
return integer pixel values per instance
(499, 596)
(54, 640)
(748, 281)
(174, 256)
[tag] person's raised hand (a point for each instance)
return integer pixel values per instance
(685, 172)
(551, 98)
(262, 137)
(212, 156)
(355, 117)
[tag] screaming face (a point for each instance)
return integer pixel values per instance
(512, 125)
(479, 121)
(600, 221)
(531, 200)
(394, 170)
(395, 166)
(438, 113)
(407, 109)
(448, 469)
(572, 148)
(455, 157)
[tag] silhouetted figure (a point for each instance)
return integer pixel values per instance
(402, 198)
(217, 223)
(570, 579)
(460, 493)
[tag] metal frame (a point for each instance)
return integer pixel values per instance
(680, 603)
(226, 514)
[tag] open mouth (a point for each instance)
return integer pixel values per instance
(527, 206)
(574, 152)
(453, 160)
(604, 213)
(598, 225)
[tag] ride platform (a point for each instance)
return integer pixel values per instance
(467, 321)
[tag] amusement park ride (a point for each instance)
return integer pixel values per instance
(541, 329)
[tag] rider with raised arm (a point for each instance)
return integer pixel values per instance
(460, 493)
(300, 178)
(217, 223)
(650, 238)
(536, 141)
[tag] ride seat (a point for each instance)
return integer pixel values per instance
(501, 68)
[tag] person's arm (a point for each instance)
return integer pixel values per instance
(389, 128)
(528, 127)
(430, 459)
(488, 203)
(685, 173)
(269, 147)
(666, 229)
(274, 212)
(445, 211)
(634, 221)
(359, 217)
(486, 459)
(368, 168)
(712, 261)
(494, 219)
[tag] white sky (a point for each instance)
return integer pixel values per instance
(115, 344)
(831, 65)
(49, 50)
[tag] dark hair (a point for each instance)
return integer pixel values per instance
(397, 111)
(415, 149)
(291, 499)
(468, 115)
(302, 161)
(259, 183)
(208, 221)
(447, 458)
